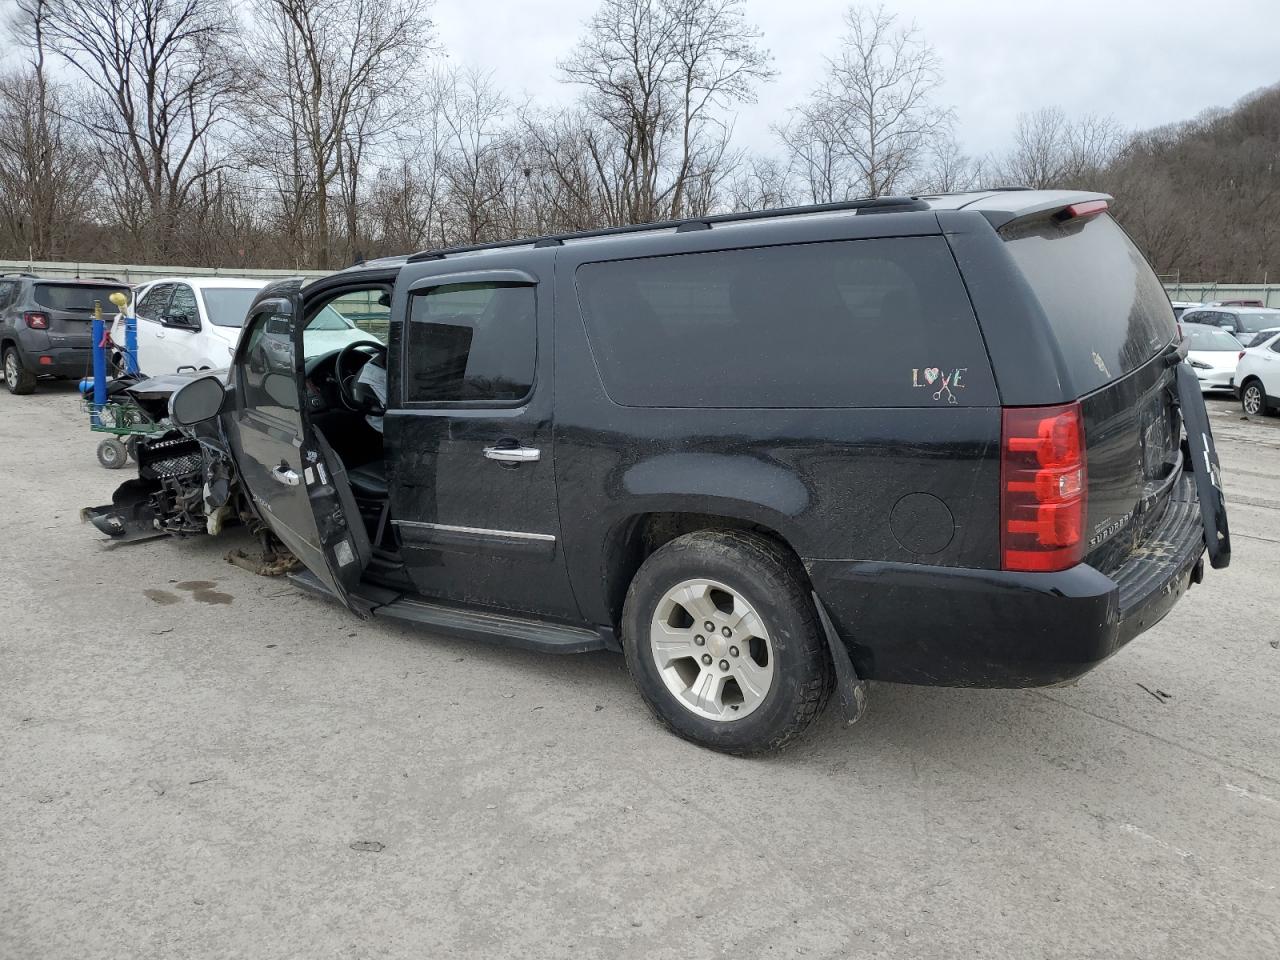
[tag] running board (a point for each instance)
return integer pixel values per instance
(506, 629)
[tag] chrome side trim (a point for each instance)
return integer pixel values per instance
(476, 531)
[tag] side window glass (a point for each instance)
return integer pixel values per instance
(183, 304)
(265, 373)
(848, 323)
(471, 341)
(1275, 345)
(6, 292)
(155, 302)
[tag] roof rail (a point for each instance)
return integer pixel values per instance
(866, 205)
(17, 275)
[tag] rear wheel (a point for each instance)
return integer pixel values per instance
(17, 378)
(1253, 399)
(724, 644)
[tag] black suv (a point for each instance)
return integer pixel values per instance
(44, 327)
(925, 440)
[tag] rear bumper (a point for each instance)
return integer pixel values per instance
(50, 356)
(949, 626)
(62, 362)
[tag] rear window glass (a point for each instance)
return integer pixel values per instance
(1256, 320)
(1210, 339)
(228, 306)
(1104, 304)
(75, 297)
(858, 323)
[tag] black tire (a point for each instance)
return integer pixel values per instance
(1251, 391)
(112, 454)
(774, 584)
(131, 447)
(17, 377)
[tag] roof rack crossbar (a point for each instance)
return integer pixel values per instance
(869, 204)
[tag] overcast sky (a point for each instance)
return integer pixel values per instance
(1145, 63)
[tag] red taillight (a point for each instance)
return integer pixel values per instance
(1085, 209)
(1043, 488)
(37, 321)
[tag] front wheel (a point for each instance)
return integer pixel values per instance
(112, 453)
(723, 642)
(1253, 399)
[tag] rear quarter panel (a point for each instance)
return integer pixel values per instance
(828, 481)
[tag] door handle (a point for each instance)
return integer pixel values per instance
(513, 454)
(283, 474)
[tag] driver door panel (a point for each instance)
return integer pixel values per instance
(287, 467)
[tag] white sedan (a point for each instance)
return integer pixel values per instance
(1258, 374)
(1212, 354)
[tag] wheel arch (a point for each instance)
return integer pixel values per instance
(634, 538)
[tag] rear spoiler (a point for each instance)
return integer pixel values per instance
(1062, 206)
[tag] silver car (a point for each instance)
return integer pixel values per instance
(1245, 323)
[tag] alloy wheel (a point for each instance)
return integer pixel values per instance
(712, 649)
(1252, 400)
(11, 367)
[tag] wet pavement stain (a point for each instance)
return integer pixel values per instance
(163, 597)
(202, 592)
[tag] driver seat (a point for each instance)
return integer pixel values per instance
(369, 480)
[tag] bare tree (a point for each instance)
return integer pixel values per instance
(159, 82)
(760, 183)
(332, 76)
(868, 128)
(947, 168)
(45, 175)
(1051, 150)
(657, 75)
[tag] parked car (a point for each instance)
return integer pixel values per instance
(1245, 323)
(1235, 303)
(1182, 306)
(45, 327)
(190, 322)
(1212, 353)
(1258, 373)
(763, 455)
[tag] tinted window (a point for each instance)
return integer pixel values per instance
(840, 324)
(7, 290)
(155, 302)
(74, 297)
(227, 306)
(473, 341)
(1106, 308)
(183, 304)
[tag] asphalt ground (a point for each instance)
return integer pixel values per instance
(199, 762)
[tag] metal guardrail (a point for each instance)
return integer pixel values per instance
(1198, 292)
(138, 273)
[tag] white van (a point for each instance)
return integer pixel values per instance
(190, 322)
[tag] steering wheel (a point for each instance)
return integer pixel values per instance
(345, 371)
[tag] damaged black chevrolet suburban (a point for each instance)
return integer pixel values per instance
(938, 440)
